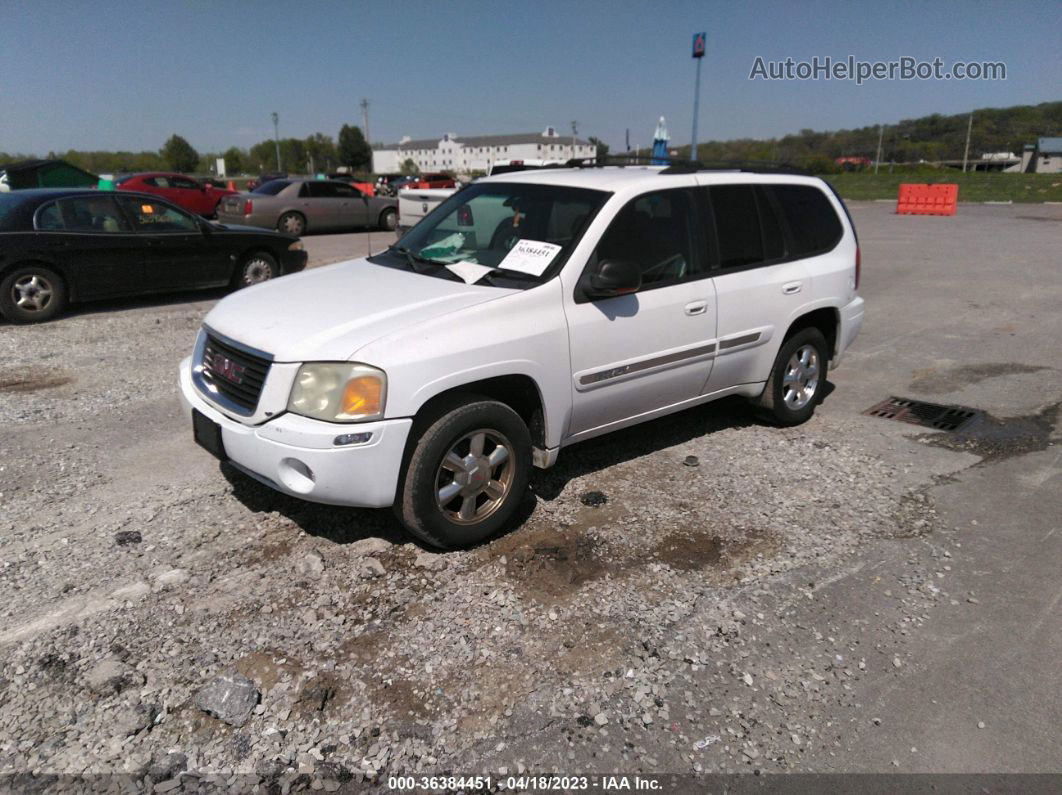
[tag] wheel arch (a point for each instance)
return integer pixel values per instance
(518, 391)
(68, 283)
(826, 319)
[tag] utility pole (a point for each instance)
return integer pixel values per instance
(276, 137)
(966, 151)
(877, 158)
(365, 115)
(575, 128)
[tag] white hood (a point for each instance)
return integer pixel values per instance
(326, 314)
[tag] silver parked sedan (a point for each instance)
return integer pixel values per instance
(297, 206)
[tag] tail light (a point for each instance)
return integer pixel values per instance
(249, 205)
(859, 267)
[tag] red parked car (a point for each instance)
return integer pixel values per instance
(426, 181)
(191, 194)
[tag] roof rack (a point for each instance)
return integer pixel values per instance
(674, 166)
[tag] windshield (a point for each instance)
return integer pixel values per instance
(271, 188)
(526, 230)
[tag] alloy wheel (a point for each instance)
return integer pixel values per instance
(801, 380)
(31, 293)
(475, 476)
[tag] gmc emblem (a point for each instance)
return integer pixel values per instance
(228, 369)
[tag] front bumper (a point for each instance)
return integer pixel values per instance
(294, 261)
(297, 455)
(851, 322)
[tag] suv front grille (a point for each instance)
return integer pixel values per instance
(232, 373)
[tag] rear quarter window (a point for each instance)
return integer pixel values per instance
(813, 223)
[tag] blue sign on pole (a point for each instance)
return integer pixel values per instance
(698, 44)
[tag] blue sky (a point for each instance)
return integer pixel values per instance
(124, 75)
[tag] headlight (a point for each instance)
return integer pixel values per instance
(339, 392)
(296, 246)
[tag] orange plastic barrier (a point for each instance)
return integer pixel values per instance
(919, 199)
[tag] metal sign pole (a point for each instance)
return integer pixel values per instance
(696, 109)
(699, 41)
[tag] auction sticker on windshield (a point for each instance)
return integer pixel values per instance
(530, 256)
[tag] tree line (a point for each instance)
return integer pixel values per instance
(927, 138)
(315, 153)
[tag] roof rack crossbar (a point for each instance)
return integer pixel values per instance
(678, 166)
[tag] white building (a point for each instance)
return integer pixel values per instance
(466, 153)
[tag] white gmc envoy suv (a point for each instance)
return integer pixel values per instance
(527, 312)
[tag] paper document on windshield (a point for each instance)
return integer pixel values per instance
(530, 256)
(471, 272)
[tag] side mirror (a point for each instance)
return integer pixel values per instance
(614, 277)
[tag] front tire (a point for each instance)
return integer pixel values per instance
(389, 220)
(291, 224)
(466, 475)
(255, 268)
(797, 381)
(32, 294)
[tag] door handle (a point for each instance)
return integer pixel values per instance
(697, 308)
(792, 288)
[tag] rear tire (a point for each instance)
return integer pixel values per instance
(797, 381)
(32, 294)
(291, 224)
(466, 475)
(255, 268)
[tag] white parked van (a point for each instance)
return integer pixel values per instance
(527, 312)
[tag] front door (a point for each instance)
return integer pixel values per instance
(635, 354)
(176, 251)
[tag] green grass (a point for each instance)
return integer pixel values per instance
(973, 186)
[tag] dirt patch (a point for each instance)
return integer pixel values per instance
(689, 552)
(363, 648)
(25, 379)
(996, 439)
(933, 381)
(550, 564)
(406, 699)
(267, 667)
(322, 693)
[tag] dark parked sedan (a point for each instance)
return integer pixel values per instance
(297, 206)
(60, 246)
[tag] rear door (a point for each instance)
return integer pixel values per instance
(92, 237)
(758, 284)
(176, 251)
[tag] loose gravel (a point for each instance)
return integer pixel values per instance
(168, 619)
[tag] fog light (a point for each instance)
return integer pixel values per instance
(294, 474)
(352, 438)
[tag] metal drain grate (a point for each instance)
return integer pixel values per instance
(929, 415)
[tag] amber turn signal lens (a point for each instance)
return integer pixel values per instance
(361, 396)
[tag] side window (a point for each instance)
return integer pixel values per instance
(150, 216)
(182, 182)
(737, 225)
(346, 191)
(653, 231)
(321, 190)
(158, 182)
(773, 237)
(813, 224)
(92, 214)
(49, 218)
(304, 190)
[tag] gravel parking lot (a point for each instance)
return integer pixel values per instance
(698, 594)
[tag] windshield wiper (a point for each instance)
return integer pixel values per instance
(416, 260)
